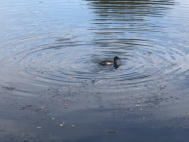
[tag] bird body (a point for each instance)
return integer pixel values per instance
(108, 63)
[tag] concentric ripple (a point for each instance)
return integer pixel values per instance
(69, 52)
(68, 61)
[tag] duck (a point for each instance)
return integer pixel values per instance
(108, 63)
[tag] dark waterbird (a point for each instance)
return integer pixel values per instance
(109, 63)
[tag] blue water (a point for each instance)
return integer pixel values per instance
(53, 88)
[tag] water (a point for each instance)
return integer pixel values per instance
(50, 73)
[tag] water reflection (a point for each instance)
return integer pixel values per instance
(135, 7)
(127, 15)
(122, 28)
(120, 25)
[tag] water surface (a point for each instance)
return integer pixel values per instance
(52, 87)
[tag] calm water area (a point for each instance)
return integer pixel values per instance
(53, 89)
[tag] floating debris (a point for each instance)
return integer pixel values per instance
(42, 107)
(112, 132)
(26, 106)
(61, 124)
(138, 105)
(52, 118)
(38, 127)
(163, 87)
(65, 104)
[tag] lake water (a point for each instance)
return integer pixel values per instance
(53, 89)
